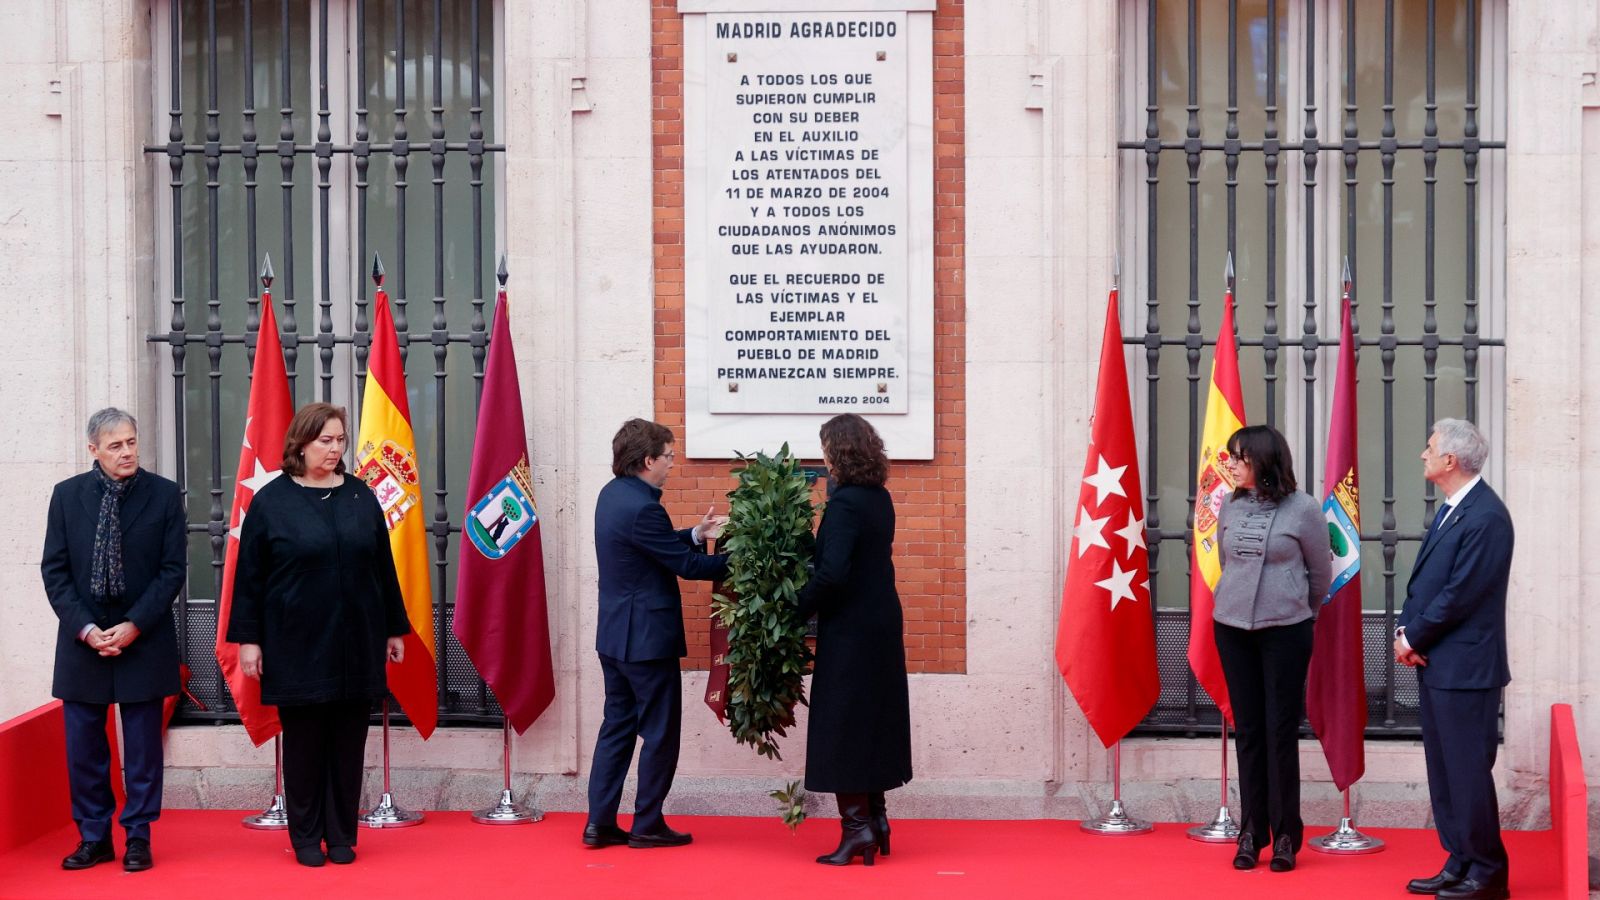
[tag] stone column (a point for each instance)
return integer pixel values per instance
(75, 237)
(1552, 420)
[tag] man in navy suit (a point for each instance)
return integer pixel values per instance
(113, 562)
(1453, 632)
(640, 634)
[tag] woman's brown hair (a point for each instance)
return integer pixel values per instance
(855, 452)
(307, 424)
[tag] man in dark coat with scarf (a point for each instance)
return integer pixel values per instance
(113, 563)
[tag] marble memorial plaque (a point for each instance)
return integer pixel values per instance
(808, 211)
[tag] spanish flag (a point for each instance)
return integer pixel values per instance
(1213, 483)
(386, 459)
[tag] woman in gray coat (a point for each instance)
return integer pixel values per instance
(1275, 573)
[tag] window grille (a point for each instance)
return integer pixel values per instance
(349, 103)
(1357, 132)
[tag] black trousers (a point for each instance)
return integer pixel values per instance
(89, 767)
(643, 700)
(1459, 742)
(1266, 674)
(323, 749)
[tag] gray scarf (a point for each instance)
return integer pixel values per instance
(105, 567)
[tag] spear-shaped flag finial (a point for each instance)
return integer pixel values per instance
(1227, 271)
(377, 270)
(266, 271)
(1345, 276)
(502, 273)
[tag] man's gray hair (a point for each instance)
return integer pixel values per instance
(1463, 440)
(110, 417)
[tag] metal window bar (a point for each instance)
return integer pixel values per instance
(464, 699)
(1183, 708)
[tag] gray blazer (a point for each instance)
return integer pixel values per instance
(1276, 561)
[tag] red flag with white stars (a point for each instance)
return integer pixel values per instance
(266, 420)
(1106, 641)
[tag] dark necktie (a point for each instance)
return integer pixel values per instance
(1438, 519)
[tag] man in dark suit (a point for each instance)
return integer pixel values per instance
(640, 634)
(113, 562)
(1453, 632)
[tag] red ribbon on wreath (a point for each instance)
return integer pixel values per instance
(717, 679)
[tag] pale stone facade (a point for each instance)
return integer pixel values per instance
(77, 269)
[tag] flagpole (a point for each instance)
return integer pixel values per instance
(1346, 840)
(508, 811)
(1117, 821)
(386, 814)
(1222, 829)
(275, 816)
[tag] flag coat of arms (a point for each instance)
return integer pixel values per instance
(1336, 694)
(386, 460)
(501, 616)
(504, 515)
(1224, 416)
(1106, 640)
(267, 416)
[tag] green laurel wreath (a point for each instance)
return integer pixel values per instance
(769, 542)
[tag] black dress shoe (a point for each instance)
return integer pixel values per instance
(341, 856)
(603, 835)
(1473, 889)
(1433, 885)
(1282, 854)
(666, 837)
(1245, 856)
(310, 856)
(136, 856)
(89, 853)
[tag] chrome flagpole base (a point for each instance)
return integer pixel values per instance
(387, 815)
(273, 818)
(1222, 830)
(1117, 821)
(507, 812)
(1346, 841)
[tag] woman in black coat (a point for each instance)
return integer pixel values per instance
(858, 739)
(317, 610)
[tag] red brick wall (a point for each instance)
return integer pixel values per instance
(930, 497)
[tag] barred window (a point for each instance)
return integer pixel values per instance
(1296, 135)
(321, 132)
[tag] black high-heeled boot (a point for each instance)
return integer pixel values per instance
(880, 819)
(856, 834)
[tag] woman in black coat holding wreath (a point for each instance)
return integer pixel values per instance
(858, 740)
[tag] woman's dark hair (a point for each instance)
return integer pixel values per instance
(307, 424)
(855, 452)
(1267, 454)
(636, 441)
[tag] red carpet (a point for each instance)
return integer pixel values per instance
(206, 854)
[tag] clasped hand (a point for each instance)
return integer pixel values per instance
(1406, 656)
(111, 641)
